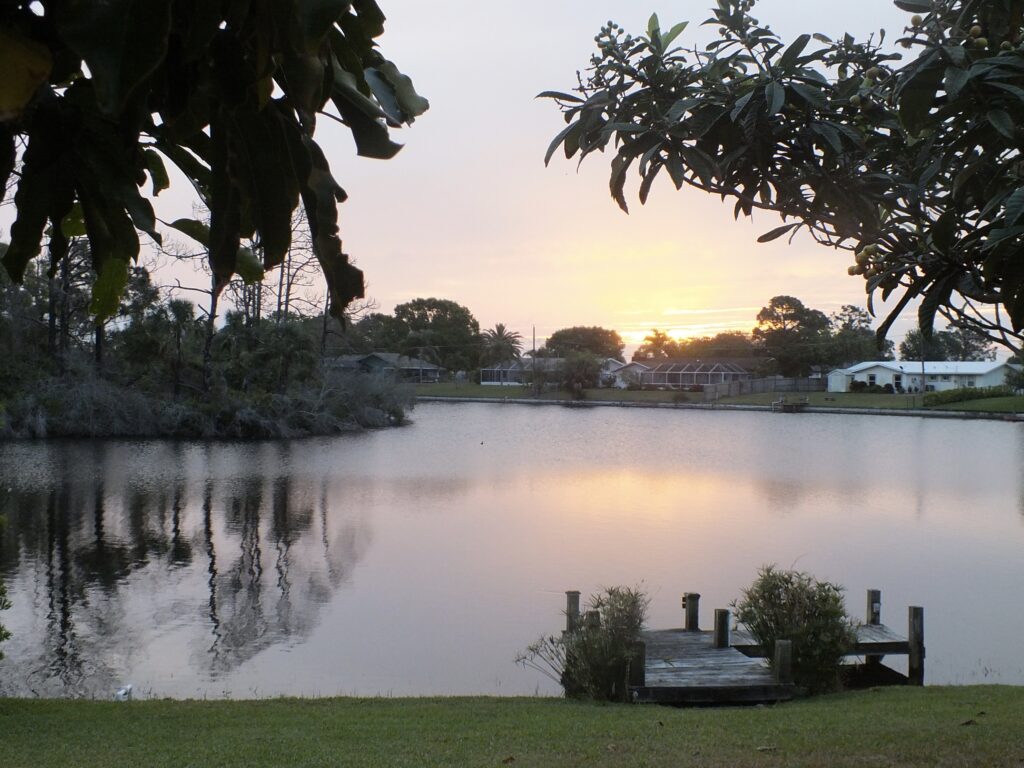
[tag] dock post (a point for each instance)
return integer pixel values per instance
(873, 617)
(721, 628)
(572, 610)
(915, 636)
(691, 604)
(783, 666)
(637, 665)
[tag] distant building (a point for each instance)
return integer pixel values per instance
(408, 369)
(519, 372)
(695, 374)
(522, 371)
(906, 375)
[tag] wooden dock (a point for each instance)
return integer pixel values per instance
(784, 405)
(690, 666)
(683, 666)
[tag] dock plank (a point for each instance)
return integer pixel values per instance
(872, 639)
(684, 667)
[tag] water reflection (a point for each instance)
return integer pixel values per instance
(251, 560)
(421, 560)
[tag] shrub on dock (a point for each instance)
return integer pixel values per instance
(792, 605)
(592, 660)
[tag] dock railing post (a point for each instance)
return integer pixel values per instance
(572, 610)
(873, 617)
(915, 636)
(783, 666)
(721, 639)
(691, 604)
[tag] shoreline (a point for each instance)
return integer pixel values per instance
(906, 412)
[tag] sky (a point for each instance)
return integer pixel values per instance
(467, 210)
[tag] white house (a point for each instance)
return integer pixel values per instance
(906, 375)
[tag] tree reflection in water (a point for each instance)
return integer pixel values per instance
(107, 560)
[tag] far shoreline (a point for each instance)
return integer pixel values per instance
(589, 403)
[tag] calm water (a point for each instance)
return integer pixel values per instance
(420, 560)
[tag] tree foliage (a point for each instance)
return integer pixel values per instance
(794, 335)
(790, 605)
(601, 342)
(97, 97)
(442, 331)
(500, 345)
(951, 344)
(912, 165)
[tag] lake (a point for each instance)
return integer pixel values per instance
(420, 560)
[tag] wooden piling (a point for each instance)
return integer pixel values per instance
(783, 666)
(572, 610)
(915, 638)
(721, 638)
(691, 604)
(873, 617)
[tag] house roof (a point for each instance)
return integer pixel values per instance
(527, 364)
(702, 365)
(931, 367)
(392, 359)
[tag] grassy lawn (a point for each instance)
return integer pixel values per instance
(893, 727)
(990, 405)
(823, 399)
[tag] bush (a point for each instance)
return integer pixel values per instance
(858, 386)
(790, 605)
(680, 397)
(593, 661)
(966, 393)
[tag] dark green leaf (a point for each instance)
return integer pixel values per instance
(914, 6)
(775, 97)
(776, 233)
(121, 41)
(197, 230)
(557, 95)
(316, 19)
(248, 267)
(1002, 122)
(954, 81)
(1014, 208)
(111, 279)
(788, 59)
(157, 171)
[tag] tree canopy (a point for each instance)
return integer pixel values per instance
(912, 165)
(602, 342)
(97, 97)
(796, 336)
(951, 344)
(442, 331)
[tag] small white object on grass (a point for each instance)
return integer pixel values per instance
(123, 694)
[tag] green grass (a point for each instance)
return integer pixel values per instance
(906, 727)
(853, 400)
(990, 405)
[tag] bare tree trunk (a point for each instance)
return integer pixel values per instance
(210, 331)
(99, 339)
(323, 328)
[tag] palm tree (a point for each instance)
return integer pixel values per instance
(501, 345)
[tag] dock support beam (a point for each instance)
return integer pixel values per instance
(572, 610)
(915, 636)
(721, 639)
(873, 617)
(691, 604)
(783, 666)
